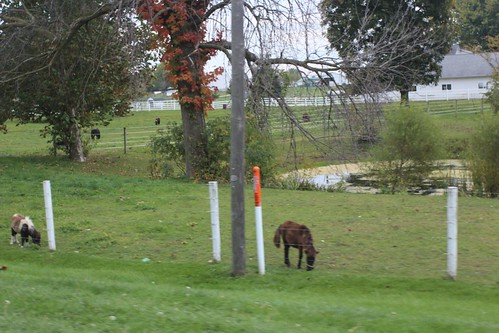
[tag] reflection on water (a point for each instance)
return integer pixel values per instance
(328, 180)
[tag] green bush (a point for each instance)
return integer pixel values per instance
(483, 158)
(493, 94)
(409, 145)
(260, 151)
(168, 152)
(455, 148)
(493, 98)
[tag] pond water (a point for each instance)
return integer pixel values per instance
(353, 178)
(357, 183)
(329, 179)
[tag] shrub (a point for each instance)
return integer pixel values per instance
(483, 158)
(409, 145)
(168, 152)
(493, 94)
(493, 97)
(260, 151)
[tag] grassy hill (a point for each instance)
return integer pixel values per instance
(133, 255)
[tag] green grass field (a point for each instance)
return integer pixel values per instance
(133, 254)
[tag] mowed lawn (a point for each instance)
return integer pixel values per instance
(134, 254)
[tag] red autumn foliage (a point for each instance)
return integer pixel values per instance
(180, 26)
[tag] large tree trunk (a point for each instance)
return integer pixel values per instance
(193, 112)
(404, 97)
(181, 29)
(195, 140)
(75, 142)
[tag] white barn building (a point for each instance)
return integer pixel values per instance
(464, 75)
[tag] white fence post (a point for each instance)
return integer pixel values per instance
(49, 215)
(215, 220)
(452, 232)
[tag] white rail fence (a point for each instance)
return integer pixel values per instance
(416, 96)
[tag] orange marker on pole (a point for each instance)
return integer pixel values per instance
(258, 220)
(256, 186)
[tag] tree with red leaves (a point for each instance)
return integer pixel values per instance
(181, 27)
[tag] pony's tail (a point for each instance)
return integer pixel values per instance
(277, 237)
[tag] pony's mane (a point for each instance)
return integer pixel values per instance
(28, 221)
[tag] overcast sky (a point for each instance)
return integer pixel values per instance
(298, 39)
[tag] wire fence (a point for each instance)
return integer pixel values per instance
(322, 122)
(109, 138)
(127, 137)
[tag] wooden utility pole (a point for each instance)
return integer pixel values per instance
(237, 141)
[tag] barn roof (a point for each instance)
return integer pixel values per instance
(461, 65)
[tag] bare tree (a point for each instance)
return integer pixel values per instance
(285, 35)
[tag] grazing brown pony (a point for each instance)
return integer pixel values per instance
(26, 228)
(297, 236)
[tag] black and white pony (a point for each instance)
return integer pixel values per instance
(24, 226)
